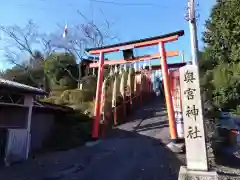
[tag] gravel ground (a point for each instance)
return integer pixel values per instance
(132, 158)
(133, 151)
(229, 166)
(228, 163)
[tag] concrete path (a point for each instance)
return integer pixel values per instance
(134, 151)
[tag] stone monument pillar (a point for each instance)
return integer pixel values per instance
(196, 152)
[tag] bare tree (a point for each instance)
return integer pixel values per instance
(82, 36)
(19, 45)
(20, 39)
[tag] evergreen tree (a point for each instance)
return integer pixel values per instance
(220, 65)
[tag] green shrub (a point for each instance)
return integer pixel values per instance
(80, 100)
(226, 86)
(54, 100)
(50, 99)
(89, 83)
(79, 96)
(76, 96)
(59, 101)
(65, 96)
(85, 107)
(70, 130)
(56, 92)
(57, 88)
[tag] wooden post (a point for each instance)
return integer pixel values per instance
(124, 106)
(102, 125)
(149, 84)
(115, 115)
(28, 101)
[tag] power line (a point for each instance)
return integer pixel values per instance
(127, 4)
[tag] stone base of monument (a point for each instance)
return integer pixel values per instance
(185, 174)
(176, 147)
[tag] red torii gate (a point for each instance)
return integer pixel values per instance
(157, 40)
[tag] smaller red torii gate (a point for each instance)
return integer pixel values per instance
(158, 40)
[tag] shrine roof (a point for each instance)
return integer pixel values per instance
(22, 88)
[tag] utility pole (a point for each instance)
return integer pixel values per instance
(193, 31)
(182, 56)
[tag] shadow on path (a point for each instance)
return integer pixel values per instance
(157, 125)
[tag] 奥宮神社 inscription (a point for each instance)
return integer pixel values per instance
(193, 120)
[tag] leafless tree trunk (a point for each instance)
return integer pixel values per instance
(19, 44)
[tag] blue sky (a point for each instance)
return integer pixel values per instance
(129, 22)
